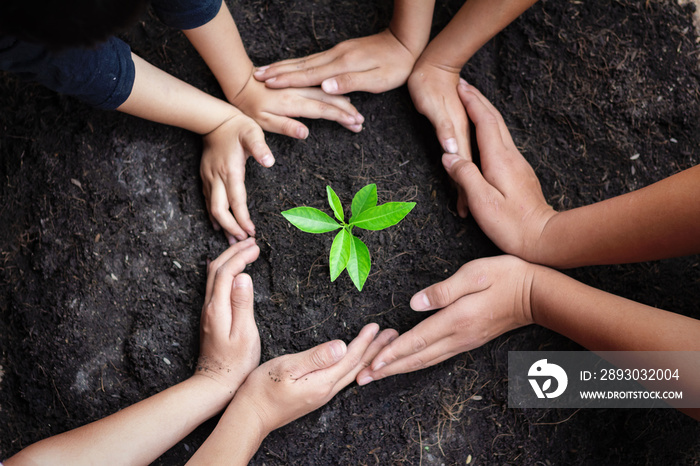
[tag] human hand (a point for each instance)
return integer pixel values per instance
(273, 108)
(505, 197)
(222, 169)
(229, 340)
(290, 386)
(484, 299)
(433, 89)
(375, 63)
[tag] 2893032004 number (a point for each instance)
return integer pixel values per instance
(639, 374)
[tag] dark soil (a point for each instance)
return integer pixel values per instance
(105, 238)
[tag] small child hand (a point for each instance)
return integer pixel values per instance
(274, 109)
(506, 200)
(434, 93)
(230, 344)
(290, 386)
(484, 299)
(375, 63)
(222, 168)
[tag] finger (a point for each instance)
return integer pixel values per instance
(489, 127)
(380, 341)
(342, 102)
(464, 87)
(426, 358)
(313, 104)
(369, 80)
(223, 258)
(242, 303)
(470, 278)
(469, 179)
(219, 209)
(344, 371)
(424, 335)
(253, 141)
(286, 126)
(225, 274)
(296, 72)
(238, 200)
(315, 359)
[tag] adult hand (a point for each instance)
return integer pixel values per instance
(484, 299)
(222, 169)
(375, 63)
(433, 89)
(274, 109)
(505, 197)
(290, 386)
(230, 344)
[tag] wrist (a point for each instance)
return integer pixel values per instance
(414, 45)
(543, 281)
(218, 391)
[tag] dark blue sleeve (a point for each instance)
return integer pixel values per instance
(186, 14)
(102, 76)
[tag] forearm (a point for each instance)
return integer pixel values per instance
(659, 221)
(135, 435)
(235, 439)
(411, 23)
(221, 47)
(474, 24)
(160, 97)
(601, 321)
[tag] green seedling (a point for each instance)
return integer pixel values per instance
(348, 251)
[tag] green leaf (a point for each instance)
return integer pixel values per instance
(383, 216)
(359, 262)
(335, 204)
(364, 199)
(310, 220)
(340, 253)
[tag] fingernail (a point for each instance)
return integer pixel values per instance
(463, 82)
(360, 119)
(242, 237)
(356, 128)
(243, 281)
(302, 133)
(329, 86)
(271, 80)
(230, 238)
(337, 350)
(451, 146)
(365, 380)
(378, 366)
(261, 69)
(268, 161)
(449, 159)
(420, 302)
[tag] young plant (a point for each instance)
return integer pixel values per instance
(348, 251)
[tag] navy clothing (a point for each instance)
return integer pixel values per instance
(102, 76)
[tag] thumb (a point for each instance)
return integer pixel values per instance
(254, 143)
(242, 298)
(466, 174)
(351, 82)
(319, 357)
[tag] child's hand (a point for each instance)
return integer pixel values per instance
(434, 93)
(506, 200)
(376, 63)
(290, 386)
(484, 299)
(230, 344)
(226, 150)
(272, 108)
